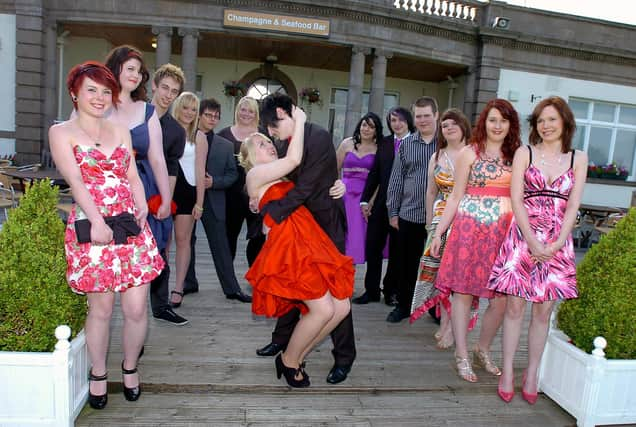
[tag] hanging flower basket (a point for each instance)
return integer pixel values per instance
(310, 95)
(234, 88)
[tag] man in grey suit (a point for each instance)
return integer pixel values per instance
(221, 173)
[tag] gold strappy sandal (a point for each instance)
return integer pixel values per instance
(464, 370)
(482, 360)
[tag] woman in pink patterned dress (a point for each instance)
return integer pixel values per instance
(479, 208)
(95, 158)
(536, 261)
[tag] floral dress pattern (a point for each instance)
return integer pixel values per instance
(111, 267)
(480, 225)
(426, 295)
(514, 271)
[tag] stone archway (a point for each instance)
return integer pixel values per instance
(270, 77)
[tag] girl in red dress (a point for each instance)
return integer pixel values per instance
(299, 265)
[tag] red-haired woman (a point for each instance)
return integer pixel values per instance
(108, 256)
(479, 209)
(536, 261)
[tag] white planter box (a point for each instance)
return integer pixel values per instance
(44, 389)
(594, 390)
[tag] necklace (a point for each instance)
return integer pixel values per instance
(550, 162)
(97, 140)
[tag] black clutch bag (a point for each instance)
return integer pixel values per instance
(123, 226)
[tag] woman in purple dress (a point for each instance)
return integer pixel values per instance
(355, 159)
(536, 260)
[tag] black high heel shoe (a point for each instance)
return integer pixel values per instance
(97, 402)
(130, 393)
(290, 374)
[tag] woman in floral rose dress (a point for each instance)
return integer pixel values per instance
(95, 157)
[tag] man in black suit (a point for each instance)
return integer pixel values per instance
(313, 180)
(167, 84)
(221, 173)
(400, 121)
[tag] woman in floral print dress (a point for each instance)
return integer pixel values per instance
(479, 209)
(536, 261)
(95, 158)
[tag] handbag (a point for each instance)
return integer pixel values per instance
(123, 225)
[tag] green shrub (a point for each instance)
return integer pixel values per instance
(34, 295)
(607, 302)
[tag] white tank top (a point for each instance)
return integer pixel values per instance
(187, 163)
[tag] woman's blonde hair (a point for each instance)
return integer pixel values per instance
(251, 103)
(187, 99)
(247, 147)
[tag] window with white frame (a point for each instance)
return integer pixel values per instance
(338, 110)
(607, 132)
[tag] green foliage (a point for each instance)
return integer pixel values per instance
(34, 295)
(607, 302)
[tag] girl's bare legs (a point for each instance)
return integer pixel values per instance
(321, 310)
(493, 317)
(134, 305)
(100, 310)
(460, 316)
(342, 308)
(446, 339)
(537, 334)
(513, 319)
(183, 233)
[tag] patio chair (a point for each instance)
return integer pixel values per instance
(7, 200)
(65, 203)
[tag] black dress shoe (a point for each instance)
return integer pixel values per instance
(338, 374)
(291, 373)
(130, 393)
(97, 402)
(239, 296)
(391, 300)
(365, 298)
(271, 349)
(397, 315)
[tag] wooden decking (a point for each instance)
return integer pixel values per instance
(207, 374)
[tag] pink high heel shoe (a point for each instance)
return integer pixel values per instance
(531, 398)
(506, 396)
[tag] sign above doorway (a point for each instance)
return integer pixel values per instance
(278, 23)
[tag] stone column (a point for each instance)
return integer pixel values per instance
(189, 56)
(482, 81)
(378, 80)
(50, 80)
(354, 94)
(164, 45)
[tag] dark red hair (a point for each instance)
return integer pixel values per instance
(115, 61)
(97, 72)
(569, 122)
(512, 140)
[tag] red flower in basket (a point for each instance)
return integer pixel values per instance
(155, 201)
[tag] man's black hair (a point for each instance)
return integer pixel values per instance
(403, 114)
(269, 105)
(209, 104)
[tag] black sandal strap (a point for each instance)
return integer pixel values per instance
(181, 294)
(127, 371)
(92, 377)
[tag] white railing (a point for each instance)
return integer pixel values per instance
(465, 10)
(44, 389)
